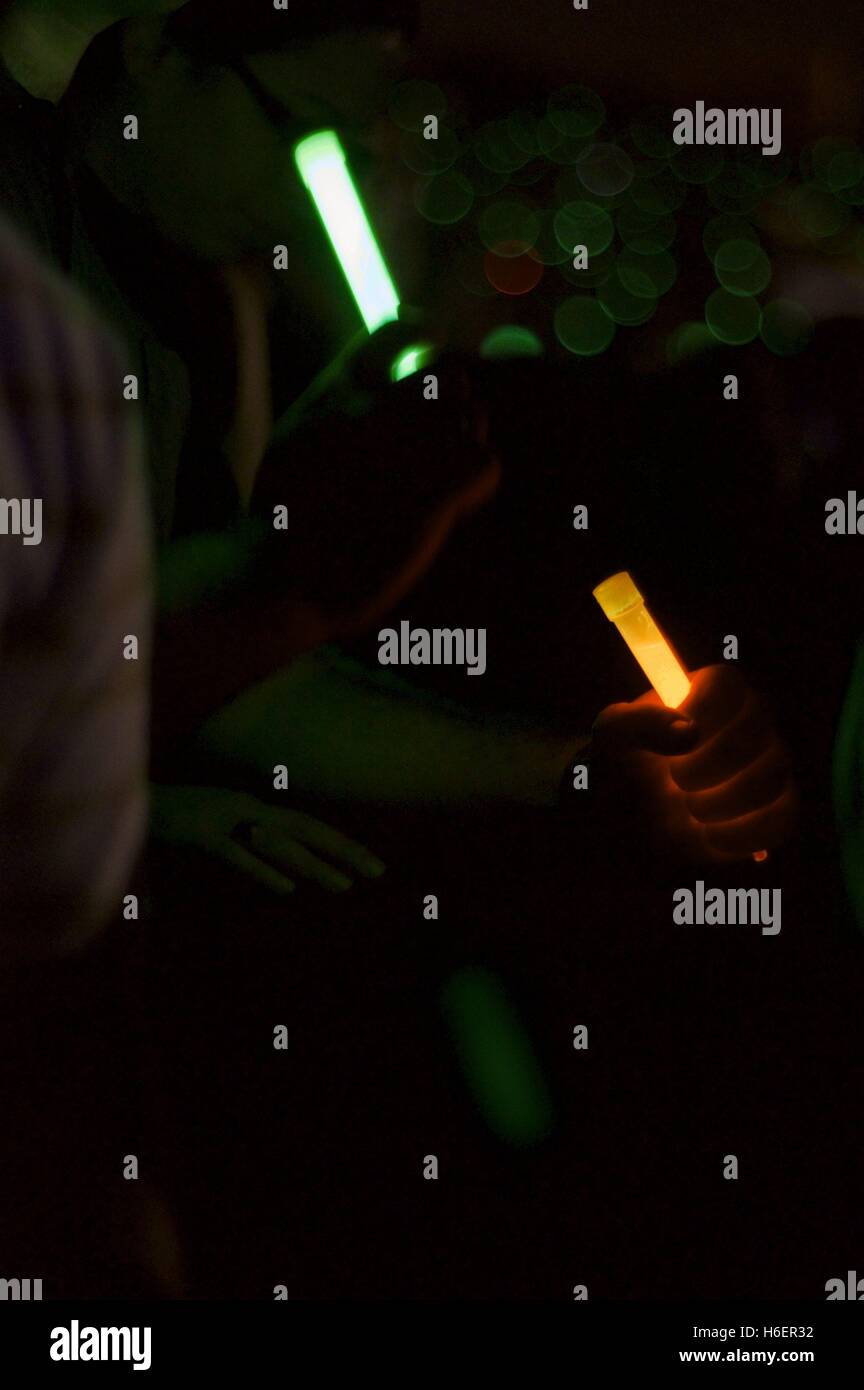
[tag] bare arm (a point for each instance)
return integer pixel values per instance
(344, 733)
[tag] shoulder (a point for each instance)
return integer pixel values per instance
(50, 335)
(69, 435)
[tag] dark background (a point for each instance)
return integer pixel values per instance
(306, 1168)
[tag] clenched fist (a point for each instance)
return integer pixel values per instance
(712, 777)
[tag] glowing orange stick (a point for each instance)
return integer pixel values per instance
(624, 606)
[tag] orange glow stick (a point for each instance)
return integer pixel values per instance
(624, 606)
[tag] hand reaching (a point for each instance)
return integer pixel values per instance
(258, 839)
(364, 457)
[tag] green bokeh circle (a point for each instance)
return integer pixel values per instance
(732, 318)
(582, 327)
(444, 198)
(787, 327)
(583, 223)
(742, 267)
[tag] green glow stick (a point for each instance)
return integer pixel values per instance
(321, 161)
(496, 1056)
(323, 168)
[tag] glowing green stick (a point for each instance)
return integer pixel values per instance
(323, 168)
(497, 1058)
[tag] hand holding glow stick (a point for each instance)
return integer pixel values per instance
(623, 605)
(323, 168)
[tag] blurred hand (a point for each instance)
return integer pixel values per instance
(372, 491)
(347, 385)
(375, 476)
(274, 846)
(712, 778)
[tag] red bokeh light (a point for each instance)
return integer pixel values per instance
(511, 270)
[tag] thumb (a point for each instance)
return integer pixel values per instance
(645, 728)
(373, 359)
(357, 373)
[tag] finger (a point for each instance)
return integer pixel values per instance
(763, 829)
(717, 696)
(335, 845)
(372, 363)
(698, 850)
(247, 863)
(758, 785)
(649, 728)
(674, 826)
(729, 752)
(283, 850)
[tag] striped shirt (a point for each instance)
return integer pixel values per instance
(73, 710)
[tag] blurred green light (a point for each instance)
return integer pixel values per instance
(522, 129)
(818, 212)
(429, 156)
(411, 101)
(787, 327)
(444, 198)
(605, 170)
(853, 196)
(531, 172)
(569, 188)
(511, 340)
(557, 147)
(481, 180)
(576, 111)
(584, 224)
(647, 276)
(410, 360)
(688, 341)
(495, 148)
(321, 162)
(547, 248)
(496, 1056)
(818, 157)
(732, 318)
(598, 272)
(644, 232)
(726, 227)
(845, 170)
(509, 223)
(582, 327)
(622, 305)
(847, 779)
(742, 267)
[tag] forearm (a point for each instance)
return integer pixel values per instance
(344, 734)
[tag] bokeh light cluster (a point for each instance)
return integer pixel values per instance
(525, 189)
